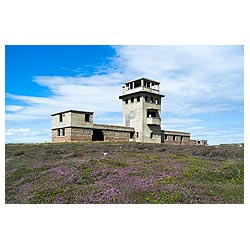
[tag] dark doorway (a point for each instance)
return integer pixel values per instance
(97, 135)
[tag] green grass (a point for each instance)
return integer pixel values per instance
(129, 173)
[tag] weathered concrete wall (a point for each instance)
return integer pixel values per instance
(135, 114)
(72, 118)
(61, 138)
(175, 138)
(85, 134)
(116, 136)
(81, 134)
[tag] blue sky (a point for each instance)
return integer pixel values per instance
(203, 85)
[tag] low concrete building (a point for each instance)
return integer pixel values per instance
(74, 125)
(199, 142)
(141, 108)
(175, 137)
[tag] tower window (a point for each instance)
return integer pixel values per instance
(60, 117)
(151, 99)
(137, 134)
(132, 99)
(138, 98)
(146, 98)
(87, 116)
(126, 101)
(151, 114)
(156, 101)
(63, 131)
(58, 132)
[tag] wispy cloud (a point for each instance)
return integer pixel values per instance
(196, 80)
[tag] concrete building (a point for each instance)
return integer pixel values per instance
(141, 107)
(74, 125)
(199, 142)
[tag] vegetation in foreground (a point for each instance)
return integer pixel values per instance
(101, 172)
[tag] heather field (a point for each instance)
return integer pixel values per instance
(123, 173)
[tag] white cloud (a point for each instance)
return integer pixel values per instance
(13, 107)
(23, 131)
(196, 80)
(14, 135)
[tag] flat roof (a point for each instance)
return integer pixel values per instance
(140, 91)
(144, 78)
(170, 132)
(73, 111)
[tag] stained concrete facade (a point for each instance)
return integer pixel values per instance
(141, 108)
(74, 125)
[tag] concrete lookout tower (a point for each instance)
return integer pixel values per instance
(141, 107)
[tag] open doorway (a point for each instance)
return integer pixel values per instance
(97, 135)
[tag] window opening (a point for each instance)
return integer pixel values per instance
(156, 101)
(174, 137)
(87, 116)
(166, 137)
(146, 98)
(151, 114)
(151, 99)
(138, 98)
(137, 134)
(60, 117)
(132, 134)
(126, 101)
(151, 135)
(63, 132)
(132, 99)
(58, 132)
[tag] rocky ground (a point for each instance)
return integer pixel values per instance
(101, 172)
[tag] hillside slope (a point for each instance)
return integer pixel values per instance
(99, 172)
